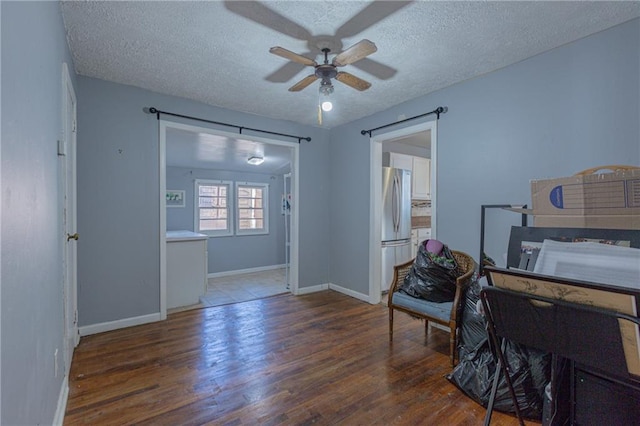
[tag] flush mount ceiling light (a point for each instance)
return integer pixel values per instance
(256, 161)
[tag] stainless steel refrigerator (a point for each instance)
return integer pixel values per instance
(396, 221)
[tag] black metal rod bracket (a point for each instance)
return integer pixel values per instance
(437, 111)
(157, 112)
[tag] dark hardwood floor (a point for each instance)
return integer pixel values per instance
(322, 358)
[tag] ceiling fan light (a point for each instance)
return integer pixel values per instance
(256, 161)
(326, 89)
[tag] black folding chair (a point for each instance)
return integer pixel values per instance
(581, 333)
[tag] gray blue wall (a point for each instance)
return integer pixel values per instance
(552, 115)
(234, 252)
(555, 114)
(33, 50)
(118, 196)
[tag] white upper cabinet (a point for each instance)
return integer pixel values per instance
(400, 161)
(421, 179)
(420, 172)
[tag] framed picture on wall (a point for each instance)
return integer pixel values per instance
(175, 198)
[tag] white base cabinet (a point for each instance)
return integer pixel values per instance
(186, 268)
(418, 235)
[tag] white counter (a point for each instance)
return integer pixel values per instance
(186, 268)
(184, 236)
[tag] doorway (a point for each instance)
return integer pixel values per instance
(375, 219)
(209, 150)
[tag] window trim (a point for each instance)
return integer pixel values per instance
(230, 207)
(265, 209)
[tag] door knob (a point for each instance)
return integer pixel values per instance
(73, 237)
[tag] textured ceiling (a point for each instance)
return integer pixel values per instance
(218, 52)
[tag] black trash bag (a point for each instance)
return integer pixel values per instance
(473, 330)
(474, 374)
(530, 369)
(529, 375)
(432, 277)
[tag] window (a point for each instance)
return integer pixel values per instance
(252, 211)
(213, 207)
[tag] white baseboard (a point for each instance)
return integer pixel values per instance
(245, 271)
(349, 292)
(334, 287)
(115, 325)
(311, 289)
(58, 420)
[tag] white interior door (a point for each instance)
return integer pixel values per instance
(70, 235)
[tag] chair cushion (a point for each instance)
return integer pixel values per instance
(433, 309)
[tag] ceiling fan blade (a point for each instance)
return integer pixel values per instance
(352, 81)
(258, 12)
(285, 72)
(292, 56)
(303, 83)
(356, 52)
(375, 68)
(375, 12)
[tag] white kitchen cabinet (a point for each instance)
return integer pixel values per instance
(418, 235)
(399, 161)
(424, 234)
(414, 243)
(420, 172)
(186, 268)
(421, 179)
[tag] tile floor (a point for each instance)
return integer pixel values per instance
(243, 287)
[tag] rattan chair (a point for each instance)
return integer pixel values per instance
(445, 313)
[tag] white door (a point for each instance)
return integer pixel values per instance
(67, 151)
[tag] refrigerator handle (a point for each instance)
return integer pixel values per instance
(396, 203)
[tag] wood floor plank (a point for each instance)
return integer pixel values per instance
(322, 358)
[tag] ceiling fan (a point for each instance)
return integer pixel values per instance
(372, 13)
(329, 70)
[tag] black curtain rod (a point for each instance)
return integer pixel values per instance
(157, 112)
(437, 111)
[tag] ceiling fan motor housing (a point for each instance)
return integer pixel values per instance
(326, 71)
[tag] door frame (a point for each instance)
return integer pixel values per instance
(162, 161)
(375, 181)
(68, 184)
